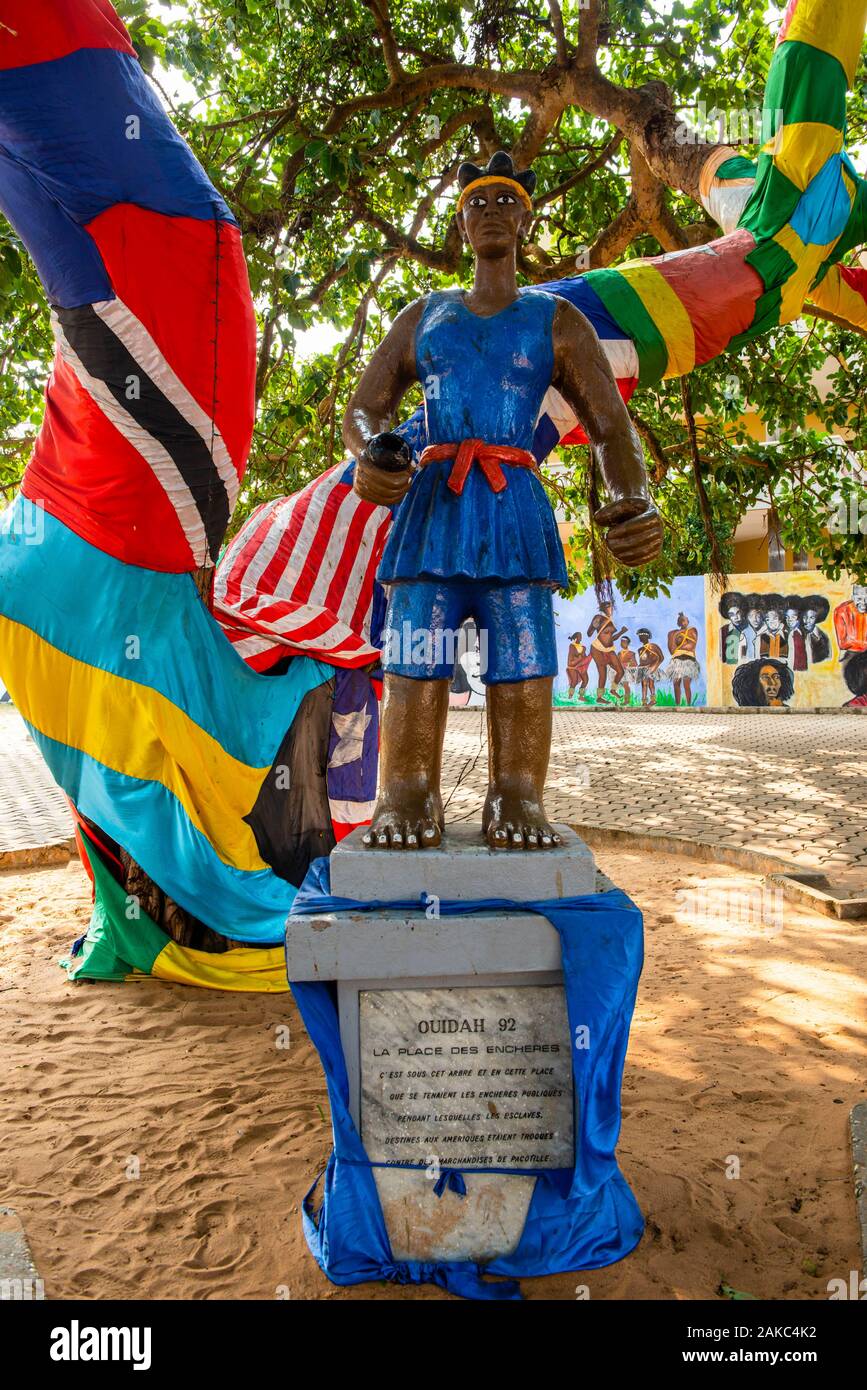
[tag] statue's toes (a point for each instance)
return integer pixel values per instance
(431, 835)
(516, 836)
(497, 837)
(531, 836)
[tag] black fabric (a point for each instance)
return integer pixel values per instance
(107, 359)
(291, 819)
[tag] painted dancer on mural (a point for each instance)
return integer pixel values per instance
(683, 668)
(629, 666)
(605, 632)
(650, 659)
(577, 665)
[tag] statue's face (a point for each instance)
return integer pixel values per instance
(492, 218)
(769, 680)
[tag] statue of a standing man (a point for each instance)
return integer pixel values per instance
(476, 535)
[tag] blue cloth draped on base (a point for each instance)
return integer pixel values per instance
(580, 1218)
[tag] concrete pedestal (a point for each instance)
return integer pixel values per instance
(454, 1031)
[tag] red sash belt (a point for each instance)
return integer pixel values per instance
(489, 457)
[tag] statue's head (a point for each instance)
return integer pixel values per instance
(495, 205)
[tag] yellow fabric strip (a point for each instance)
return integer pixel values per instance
(836, 28)
(135, 731)
(495, 178)
(838, 298)
(253, 969)
(800, 151)
(808, 260)
(667, 312)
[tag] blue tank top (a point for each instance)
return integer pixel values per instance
(483, 378)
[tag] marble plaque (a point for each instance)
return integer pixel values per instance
(477, 1077)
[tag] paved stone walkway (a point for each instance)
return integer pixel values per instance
(793, 787)
(34, 812)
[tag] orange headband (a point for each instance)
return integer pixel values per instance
(495, 178)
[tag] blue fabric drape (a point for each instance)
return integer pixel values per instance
(579, 1218)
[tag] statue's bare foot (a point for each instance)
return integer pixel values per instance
(512, 821)
(406, 821)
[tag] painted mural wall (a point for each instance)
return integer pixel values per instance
(794, 638)
(650, 652)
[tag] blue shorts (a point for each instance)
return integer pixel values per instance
(515, 624)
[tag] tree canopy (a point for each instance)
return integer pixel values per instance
(335, 132)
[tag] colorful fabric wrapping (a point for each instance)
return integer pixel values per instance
(789, 219)
(149, 410)
(579, 1218)
(154, 728)
(123, 944)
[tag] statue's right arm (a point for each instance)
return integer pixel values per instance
(371, 409)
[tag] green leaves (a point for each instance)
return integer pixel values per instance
(256, 84)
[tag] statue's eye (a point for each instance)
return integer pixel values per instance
(477, 201)
(506, 198)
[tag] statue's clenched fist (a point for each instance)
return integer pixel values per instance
(383, 472)
(633, 530)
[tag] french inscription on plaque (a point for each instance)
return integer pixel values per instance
(476, 1077)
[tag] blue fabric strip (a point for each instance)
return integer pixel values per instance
(579, 1218)
(148, 627)
(152, 825)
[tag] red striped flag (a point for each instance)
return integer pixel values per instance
(299, 577)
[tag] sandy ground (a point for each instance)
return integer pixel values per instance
(156, 1141)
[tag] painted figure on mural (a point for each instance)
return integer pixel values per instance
(850, 623)
(577, 665)
(683, 668)
(814, 610)
(650, 658)
(733, 609)
(475, 535)
(773, 639)
(763, 683)
(749, 649)
(604, 633)
(795, 635)
(628, 665)
(855, 676)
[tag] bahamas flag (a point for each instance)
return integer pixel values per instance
(155, 728)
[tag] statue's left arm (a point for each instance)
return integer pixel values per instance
(584, 378)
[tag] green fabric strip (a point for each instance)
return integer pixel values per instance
(772, 202)
(114, 946)
(630, 315)
(806, 84)
(855, 231)
(739, 167)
